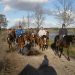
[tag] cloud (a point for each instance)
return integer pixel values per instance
(25, 5)
(22, 4)
(38, 1)
(7, 8)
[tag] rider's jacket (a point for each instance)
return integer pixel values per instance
(62, 32)
(41, 33)
(19, 32)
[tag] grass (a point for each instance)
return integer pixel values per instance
(50, 42)
(72, 51)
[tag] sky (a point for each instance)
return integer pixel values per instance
(16, 10)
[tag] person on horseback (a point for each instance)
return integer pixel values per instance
(42, 32)
(43, 40)
(62, 32)
(61, 40)
(19, 32)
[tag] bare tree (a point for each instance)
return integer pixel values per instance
(3, 21)
(65, 11)
(39, 16)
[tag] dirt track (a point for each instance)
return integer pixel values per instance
(13, 63)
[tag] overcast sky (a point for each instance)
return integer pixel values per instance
(16, 9)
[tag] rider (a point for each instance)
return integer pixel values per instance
(42, 32)
(19, 32)
(62, 32)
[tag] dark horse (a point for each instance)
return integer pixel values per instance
(58, 45)
(11, 38)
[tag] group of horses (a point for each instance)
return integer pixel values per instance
(27, 40)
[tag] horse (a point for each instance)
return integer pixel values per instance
(11, 38)
(28, 41)
(43, 42)
(21, 43)
(13, 34)
(37, 39)
(40, 43)
(64, 43)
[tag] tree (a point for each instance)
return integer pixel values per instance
(65, 12)
(39, 16)
(3, 21)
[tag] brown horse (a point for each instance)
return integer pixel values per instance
(33, 39)
(43, 42)
(21, 43)
(37, 39)
(28, 40)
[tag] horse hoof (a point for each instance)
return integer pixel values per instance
(22, 53)
(42, 49)
(68, 59)
(59, 56)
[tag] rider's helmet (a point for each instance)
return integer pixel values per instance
(63, 25)
(20, 27)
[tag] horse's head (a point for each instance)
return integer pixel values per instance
(45, 41)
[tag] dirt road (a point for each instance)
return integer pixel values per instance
(13, 63)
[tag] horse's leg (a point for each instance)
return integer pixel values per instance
(39, 46)
(68, 58)
(21, 51)
(21, 48)
(61, 51)
(46, 46)
(57, 50)
(34, 44)
(42, 48)
(9, 46)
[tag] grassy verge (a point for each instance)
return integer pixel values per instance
(50, 42)
(72, 51)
